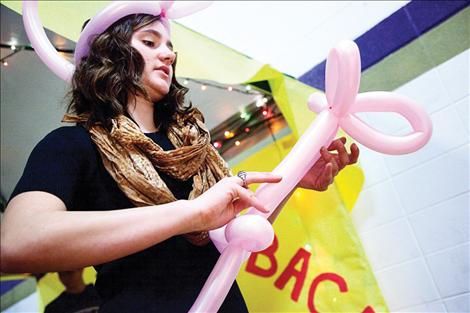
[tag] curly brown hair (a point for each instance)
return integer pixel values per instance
(103, 81)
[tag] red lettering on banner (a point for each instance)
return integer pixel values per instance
(368, 309)
(303, 256)
(338, 280)
(251, 266)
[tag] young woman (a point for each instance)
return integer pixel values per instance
(134, 187)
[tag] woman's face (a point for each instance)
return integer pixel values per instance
(153, 43)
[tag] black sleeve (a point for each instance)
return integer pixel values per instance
(58, 165)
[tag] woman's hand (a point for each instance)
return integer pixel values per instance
(322, 173)
(223, 201)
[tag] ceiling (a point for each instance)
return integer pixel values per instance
(13, 33)
(291, 36)
(216, 102)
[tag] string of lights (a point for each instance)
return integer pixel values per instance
(263, 110)
(204, 84)
(237, 128)
(18, 48)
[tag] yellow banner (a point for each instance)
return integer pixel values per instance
(316, 263)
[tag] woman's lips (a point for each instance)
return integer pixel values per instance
(164, 69)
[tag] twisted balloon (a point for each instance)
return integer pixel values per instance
(335, 109)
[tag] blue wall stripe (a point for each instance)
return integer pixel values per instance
(397, 30)
(7, 285)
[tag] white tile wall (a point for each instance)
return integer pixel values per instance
(387, 122)
(389, 244)
(450, 270)
(462, 109)
(28, 304)
(376, 206)
(432, 307)
(434, 181)
(460, 304)
(420, 252)
(374, 164)
(454, 75)
(406, 285)
(446, 124)
(443, 225)
(427, 90)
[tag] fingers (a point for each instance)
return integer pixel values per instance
(343, 157)
(247, 198)
(326, 177)
(259, 177)
(354, 153)
(335, 142)
(335, 168)
(327, 157)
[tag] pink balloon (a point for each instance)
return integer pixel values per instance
(106, 17)
(341, 88)
(247, 233)
(98, 24)
(335, 109)
(41, 44)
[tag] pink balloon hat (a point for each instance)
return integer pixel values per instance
(98, 24)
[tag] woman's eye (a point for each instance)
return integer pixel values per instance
(148, 43)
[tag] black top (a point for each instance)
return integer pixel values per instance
(85, 302)
(164, 278)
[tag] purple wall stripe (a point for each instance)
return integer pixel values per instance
(7, 285)
(394, 32)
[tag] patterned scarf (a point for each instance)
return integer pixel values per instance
(132, 159)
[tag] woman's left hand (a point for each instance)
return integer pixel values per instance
(322, 173)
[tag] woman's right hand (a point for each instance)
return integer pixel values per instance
(223, 201)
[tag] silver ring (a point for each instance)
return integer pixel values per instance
(242, 175)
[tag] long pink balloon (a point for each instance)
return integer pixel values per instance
(41, 44)
(335, 109)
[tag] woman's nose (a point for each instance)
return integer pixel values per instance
(167, 55)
